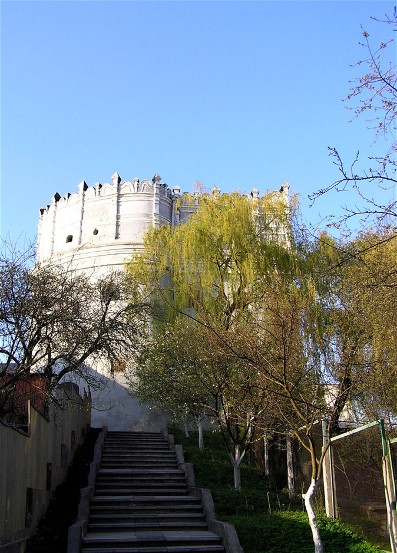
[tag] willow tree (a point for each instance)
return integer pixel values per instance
(209, 269)
(210, 263)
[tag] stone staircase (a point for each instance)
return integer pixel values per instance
(141, 502)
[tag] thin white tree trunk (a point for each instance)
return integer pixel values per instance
(236, 461)
(186, 429)
(309, 495)
(199, 422)
(237, 476)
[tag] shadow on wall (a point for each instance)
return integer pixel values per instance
(115, 407)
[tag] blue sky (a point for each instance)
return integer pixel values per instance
(234, 94)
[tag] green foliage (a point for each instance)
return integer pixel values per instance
(286, 530)
(212, 263)
(214, 269)
(283, 341)
(251, 281)
(289, 532)
(172, 375)
(213, 470)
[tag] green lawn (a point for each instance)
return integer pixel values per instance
(285, 530)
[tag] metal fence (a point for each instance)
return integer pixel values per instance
(359, 483)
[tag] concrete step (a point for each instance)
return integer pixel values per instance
(144, 454)
(139, 446)
(161, 549)
(144, 457)
(110, 449)
(157, 459)
(118, 444)
(106, 487)
(146, 526)
(148, 517)
(109, 540)
(136, 456)
(159, 499)
(140, 483)
(135, 437)
(148, 479)
(135, 442)
(118, 437)
(131, 446)
(129, 434)
(141, 491)
(139, 464)
(110, 439)
(165, 479)
(155, 476)
(133, 471)
(154, 509)
(107, 483)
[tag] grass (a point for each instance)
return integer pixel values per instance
(286, 529)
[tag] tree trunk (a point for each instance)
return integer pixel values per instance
(266, 455)
(309, 496)
(290, 470)
(237, 476)
(236, 460)
(199, 422)
(186, 429)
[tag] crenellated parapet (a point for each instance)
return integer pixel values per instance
(103, 216)
(101, 226)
